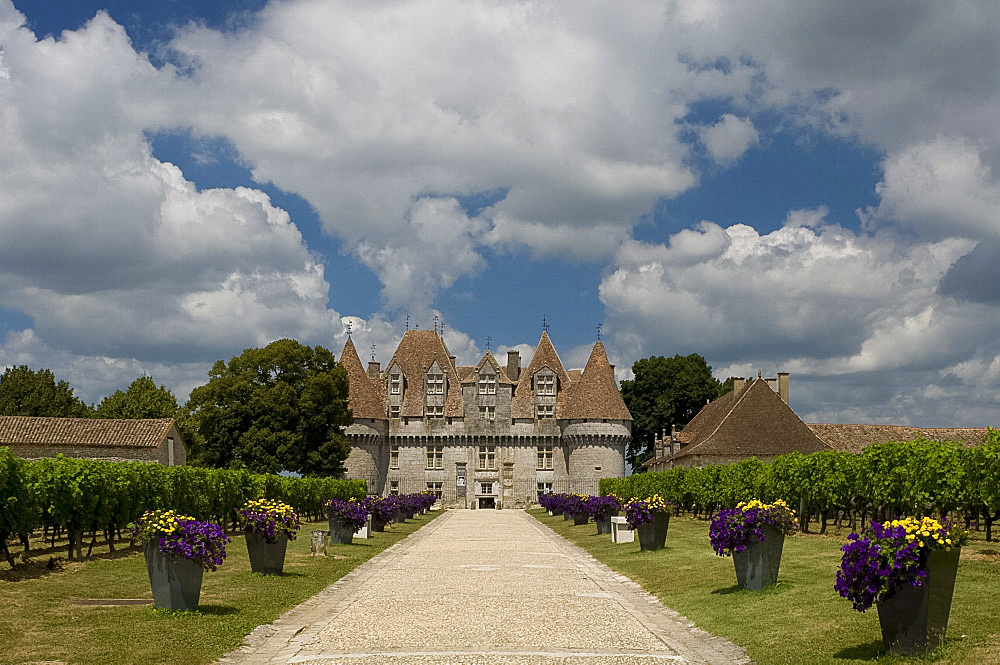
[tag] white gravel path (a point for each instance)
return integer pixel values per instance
(480, 587)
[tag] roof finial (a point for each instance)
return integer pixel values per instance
(373, 353)
(407, 321)
(489, 342)
(435, 323)
(599, 326)
(545, 325)
(348, 328)
(758, 374)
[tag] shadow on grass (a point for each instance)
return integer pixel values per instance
(727, 590)
(284, 573)
(866, 651)
(988, 552)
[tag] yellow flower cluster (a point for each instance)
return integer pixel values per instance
(162, 521)
(281, 510)
(923, 530)
(757, 503)
(656, 503)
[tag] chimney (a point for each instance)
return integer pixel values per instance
(657, 446)
(452, 359)
(772, 383)
(738, 382)
(374, 369)
(783, 386)
(513, 365)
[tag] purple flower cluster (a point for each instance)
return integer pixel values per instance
(351, 513)
(602, 507)
(574, 503)
(640, 511)
(551, 502)
(383, 508)
(736, 529)
(269, 518)
(875, 566)
(201, 542)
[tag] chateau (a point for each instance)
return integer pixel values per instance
(488, 435)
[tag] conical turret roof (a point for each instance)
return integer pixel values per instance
(595, 395)
(362, 397)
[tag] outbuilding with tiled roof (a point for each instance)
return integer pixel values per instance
(119, 440)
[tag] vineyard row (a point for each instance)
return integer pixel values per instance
(885, 480)
(79, 496)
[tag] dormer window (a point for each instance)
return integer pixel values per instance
(395, 384)
(545, 411)
(545, 385)
(435, 384)
(435, 411)
(487, 384)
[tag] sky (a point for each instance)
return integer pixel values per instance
(808, 187)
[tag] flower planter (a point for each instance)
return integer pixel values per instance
(653, 534)
(267, 558)
(603, 525)
(757, 565)
(341, 533)
(915, 619)
(176, 583)
(581, 518)
(377, 524)
(567, 515)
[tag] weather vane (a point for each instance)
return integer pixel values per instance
(373, 353)
(489, 342)
(435, 323)
(348, 327)
(599, 326)
(545, 324)
(407, 321)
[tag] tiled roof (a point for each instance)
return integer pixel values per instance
(522, 406)
(595, 395)
(755, 422)
(488, 358)
(416, 353)
(854, 438)
(363, 397)
(138, 433)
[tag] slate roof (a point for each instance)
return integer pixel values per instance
(130, 433)
(522, 405)
(595, 395)
(363, 397)
(416, 353)
(854, 438)
(752, 423)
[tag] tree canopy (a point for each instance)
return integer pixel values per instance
(665, 392)
(142, 399)
(279, 408)
(25, 392)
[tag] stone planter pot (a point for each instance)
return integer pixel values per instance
(266, 558)
(400, 516)
(567, 515)
(915, 619)
(757, 565)
(176, 583)
(653, 534)
(580, 518)
(341, 533)
(603, 525)
(377, 524)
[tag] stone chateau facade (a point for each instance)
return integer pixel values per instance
(485, 436)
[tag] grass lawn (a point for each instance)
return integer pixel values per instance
(801, 619)
(41, 620)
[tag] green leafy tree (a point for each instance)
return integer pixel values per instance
(25, 392)
(665, 392)
(142, 399)
(280, 408)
